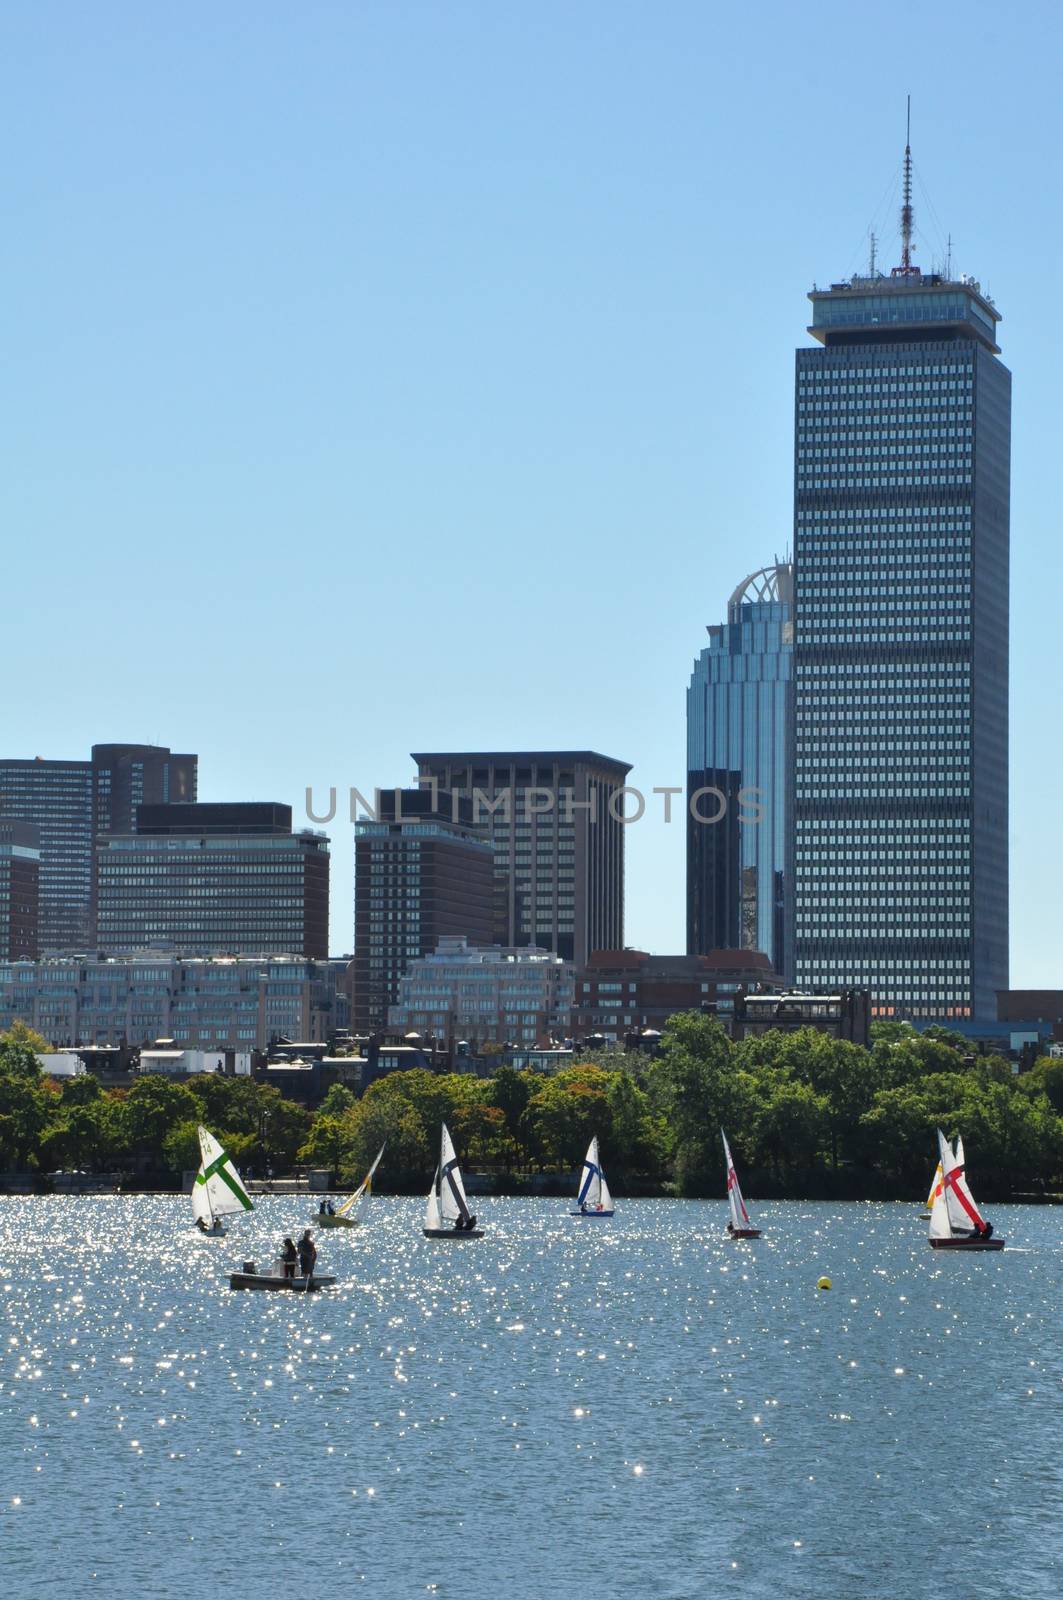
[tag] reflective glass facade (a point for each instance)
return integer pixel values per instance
(900, 801)
(738, 755)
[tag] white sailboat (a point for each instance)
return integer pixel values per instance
(354, 1210)
(218, 1190)
(592, 1196)
(955, 1220)
(739, 1227)
(447, 1215)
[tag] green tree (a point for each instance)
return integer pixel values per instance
(693, 1085)
(152, 1107)
(792, 1123)
(327, 1143)
(180, 1148)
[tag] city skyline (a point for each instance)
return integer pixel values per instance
(259, 396)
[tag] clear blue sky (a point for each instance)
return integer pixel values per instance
(395, 376)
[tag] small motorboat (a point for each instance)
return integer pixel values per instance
(249, 1278)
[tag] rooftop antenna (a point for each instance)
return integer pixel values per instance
(906, 208)
(948, 259)
(874, 253)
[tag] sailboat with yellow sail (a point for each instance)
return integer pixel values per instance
(936, 1188)
(354, 1210)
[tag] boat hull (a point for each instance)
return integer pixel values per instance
(592, 1216)
(450, 1233)
(967, 1244)
(217, 1232)
(744, 1233)
(335, 1222)
(266, 1280)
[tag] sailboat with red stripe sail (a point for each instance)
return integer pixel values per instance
(955, 1220)
(740, 1226)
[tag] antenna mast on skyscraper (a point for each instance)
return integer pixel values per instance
(906, 270)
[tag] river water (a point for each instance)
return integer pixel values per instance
(634, 1408)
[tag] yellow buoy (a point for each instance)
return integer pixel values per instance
(824, 1283)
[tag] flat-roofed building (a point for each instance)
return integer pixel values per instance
(422, 872)
(493, 995)
(235, 1004)
(214, 879)
(625, 992)
(20, 865)
(71, 802)
(553, 818)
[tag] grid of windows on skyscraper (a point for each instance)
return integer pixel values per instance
(901, 633)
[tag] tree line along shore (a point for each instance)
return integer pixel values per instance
(808, 1117)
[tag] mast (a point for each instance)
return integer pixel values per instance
(906, 208)
(906, 269)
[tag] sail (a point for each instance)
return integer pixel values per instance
(217, 1191)
(593, 1190)
(739, 1214)
(432, 1218)
(940, 1227)
(452, 1201)
(364, 1189)
(964, 1216)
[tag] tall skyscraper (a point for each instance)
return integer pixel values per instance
(738, 761)
(901, 517)
(421, 871)
(214, 879)
(71, 802)
(553, 819)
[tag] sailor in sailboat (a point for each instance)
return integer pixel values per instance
(955, 1220)
(218, 1190)
(447, 1215)
(593, 1196)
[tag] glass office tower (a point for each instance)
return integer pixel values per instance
(738, 757)
(900, 804)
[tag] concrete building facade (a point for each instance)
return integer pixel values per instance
(234, 1004)
(214, 879)
(71, 802)
(422, 872)
(463, 994)
(553, 820)
(20, 865)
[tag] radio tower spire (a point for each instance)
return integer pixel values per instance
(906, 208)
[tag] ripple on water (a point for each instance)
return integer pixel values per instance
(647, 1408)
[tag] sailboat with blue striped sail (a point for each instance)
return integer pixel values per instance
(447, 1214)
(593, 1197)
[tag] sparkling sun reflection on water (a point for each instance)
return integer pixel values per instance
(643, 1409)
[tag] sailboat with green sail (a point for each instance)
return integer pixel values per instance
(218, 1190)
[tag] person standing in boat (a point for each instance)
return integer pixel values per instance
(289, 1256)
(307, 1253)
